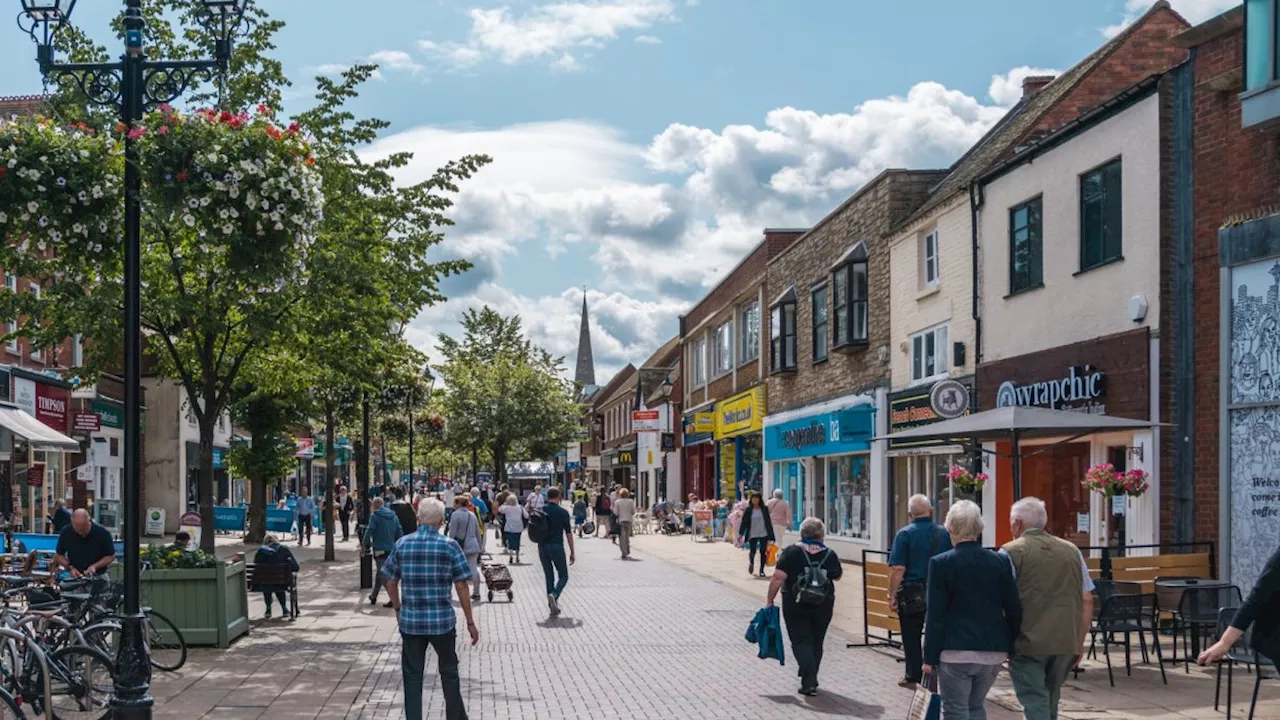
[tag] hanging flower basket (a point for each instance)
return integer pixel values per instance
(965, 481)
(1105, 480)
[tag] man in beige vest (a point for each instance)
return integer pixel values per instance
(1057, 602)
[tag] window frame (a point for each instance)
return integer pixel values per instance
(782, 333)
(1036, 265)
(1103, 258)
(1272, 32)
(722, 364)
(819, 331)
(699, 369)
(750, 343)
(930, 262)
(942, 358)
(851, 301)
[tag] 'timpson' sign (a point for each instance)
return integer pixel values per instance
(1081, 386)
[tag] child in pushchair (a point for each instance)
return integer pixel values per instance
(668, 520)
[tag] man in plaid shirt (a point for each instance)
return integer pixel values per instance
(426, 565)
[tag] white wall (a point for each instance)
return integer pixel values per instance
(1070, 307)
(914, 308)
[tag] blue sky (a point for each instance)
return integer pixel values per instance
(641, 146)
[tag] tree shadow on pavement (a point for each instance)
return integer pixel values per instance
(829, 703)
(560, 623)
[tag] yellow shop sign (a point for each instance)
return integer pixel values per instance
(740, 414)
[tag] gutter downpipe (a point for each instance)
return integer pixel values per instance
(975, 206)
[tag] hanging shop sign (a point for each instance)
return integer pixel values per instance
(668, 442)
(699, 427)
(86, 422)
(917, 407)
(109, 415)
(24, 394)
(646, 420)
(740, 414)
(51, 406)
(626, 457)
(304, 447)
(35, 474)
(836, 432)
(593, 462)
(1080, 389)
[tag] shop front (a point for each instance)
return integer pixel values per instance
(823, 460)
(700, 454)
(101, 423)
(619, 466)
(39, 467)
(738, 444)
(920, 467)
(221, 481)
(1110, 375)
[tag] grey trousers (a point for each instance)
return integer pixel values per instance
(964, 688)
(624, 538)
(1038, 682)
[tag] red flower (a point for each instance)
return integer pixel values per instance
(3, 171)
(121, 127)
(137, 132)
(226, 117)
(165, 108)
(234, 123)
(294, 128)
(164, 130)
(183, 175)
(273, 132)
(311, 160)
(263, 109)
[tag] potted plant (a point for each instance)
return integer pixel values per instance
(966, 482)
(1105, 480)
(206, 598)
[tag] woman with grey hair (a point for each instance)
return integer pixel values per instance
(974, 616)
(806, 573)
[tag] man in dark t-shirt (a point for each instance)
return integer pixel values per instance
(85, 547)
(551, 551)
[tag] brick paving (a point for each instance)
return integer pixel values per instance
(642, 639)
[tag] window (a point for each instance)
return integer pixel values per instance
(1100, 216)
(191, 417)
(12, 346)
(782, 333)
(929, 354)
(929, 260)
(11, 283)
(1025, 247)
(724, 348)
(114, 447)
(849, 297)
(37, 354)
(1261, 62)
(751, 331)
(77, 350)
(699, 362)
(820, 324)
(848, 497)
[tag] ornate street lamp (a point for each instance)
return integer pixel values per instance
(132, 84)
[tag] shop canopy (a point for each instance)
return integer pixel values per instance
(38, 435)
(1018, 422)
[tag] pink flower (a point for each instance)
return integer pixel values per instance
(164, 130)
(136, 133)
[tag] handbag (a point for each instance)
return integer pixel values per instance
(926, 704)
(771, 554)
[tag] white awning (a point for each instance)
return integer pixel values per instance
(36, 433)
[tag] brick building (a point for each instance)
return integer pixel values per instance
(828, 358)
(723, 367)
(1226, 229)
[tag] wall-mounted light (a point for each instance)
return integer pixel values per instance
(1138, 308)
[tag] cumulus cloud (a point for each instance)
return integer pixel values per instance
(1006, 89)
(648, 40)
(1195, 11)
(548, 32)
(396, 60)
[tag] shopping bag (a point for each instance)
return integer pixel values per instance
(925, 704)
(771, 554)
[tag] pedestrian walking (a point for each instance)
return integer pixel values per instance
(403, 511)
(512, 517)
(419, 573)
(579, 513)
(556, 531)
(974, 617)
(625, 509)
(1057, 609)
(757, 530)
(346, 506)
(779, 511)
(806, 575)
(604, 511)
(304, 509)
(464, 528)
(1259, 611)
(913, 546)
(479, 503)
(379, 540)
(273, 553)
(535, 500)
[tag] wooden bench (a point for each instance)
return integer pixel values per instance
(1145, 569)
(277, 576)
(876, 612)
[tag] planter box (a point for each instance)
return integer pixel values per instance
(210, 605)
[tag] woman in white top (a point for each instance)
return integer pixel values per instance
(465, 529)
(512, 525)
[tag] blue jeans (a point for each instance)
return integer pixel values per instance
(964, 688)
(554, 562)
(413, 663)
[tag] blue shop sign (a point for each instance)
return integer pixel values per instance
(217, 457)
(831, 433)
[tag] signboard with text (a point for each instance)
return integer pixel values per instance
(51, 406)
(926, 405)
(87, 422)
(646, 420)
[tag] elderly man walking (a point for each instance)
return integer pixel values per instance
(913, 547)
(420, 573)
(1057, 607)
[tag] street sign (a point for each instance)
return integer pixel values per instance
(87, 422)
(646, 420)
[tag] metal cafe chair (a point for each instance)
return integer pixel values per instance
(1125, 614)
(1198, 611)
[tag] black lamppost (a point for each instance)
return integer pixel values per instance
(413, 396)
(131, 84)
(667, 388)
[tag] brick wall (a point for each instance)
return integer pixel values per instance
(866, 217)
(1236, 172)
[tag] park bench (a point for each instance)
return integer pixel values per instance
(274, 575)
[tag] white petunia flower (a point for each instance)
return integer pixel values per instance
(189, 220)
(33, 206)
(43, 221)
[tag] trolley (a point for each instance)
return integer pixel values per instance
(497, 578)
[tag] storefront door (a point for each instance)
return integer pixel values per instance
(1054, 476)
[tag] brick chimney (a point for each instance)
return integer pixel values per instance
(1033, 84)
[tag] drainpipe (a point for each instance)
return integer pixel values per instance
(975, 206)
(1184, 377)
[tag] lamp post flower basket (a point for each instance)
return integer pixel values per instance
(965, 481)
(1105, 480)
(206, 598)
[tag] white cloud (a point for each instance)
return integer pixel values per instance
(566, 63)
(1195, 11)
(662, 222)
(648, 40)
(332, 69)
(396, 60)
(548, 32)
(1006, 89)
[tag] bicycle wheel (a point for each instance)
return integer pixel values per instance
(104, 636)
(168, 647)
(9, 709)
(81, 682)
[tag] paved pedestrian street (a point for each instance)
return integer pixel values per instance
(639, 639)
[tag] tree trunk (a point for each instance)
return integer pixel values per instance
(499, 463)
(204, 485)
(257, 528)
(330, 461)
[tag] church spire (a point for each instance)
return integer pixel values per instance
(585, 373)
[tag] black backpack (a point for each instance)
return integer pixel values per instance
(537, 525)
(813, 587)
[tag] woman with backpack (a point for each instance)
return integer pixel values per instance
(806, 573)
(604, 511)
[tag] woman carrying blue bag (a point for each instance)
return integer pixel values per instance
(805, 574)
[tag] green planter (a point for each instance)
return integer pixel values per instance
(210, 605)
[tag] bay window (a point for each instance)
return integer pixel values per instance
(849, 298)
(782, 343)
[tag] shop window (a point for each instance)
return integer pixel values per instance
(929, 260)
(929, 354)
(1261, 61)
(1100, 216)
(750, 319)
(820, 324)
(724, 348)
(849, 297)
(848, 500)
(782, 344)
(1026, 250)
(699, 362)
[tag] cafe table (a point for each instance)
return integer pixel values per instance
(1169, 598)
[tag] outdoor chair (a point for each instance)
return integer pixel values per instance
(1198, 612)
(1242, 652)
(1125, 614)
